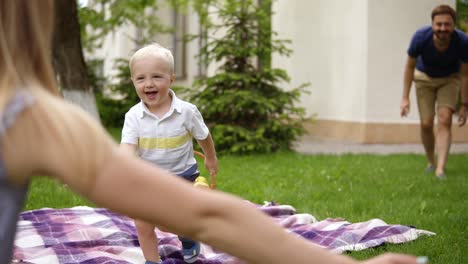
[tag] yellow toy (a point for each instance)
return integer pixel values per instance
(201, 181)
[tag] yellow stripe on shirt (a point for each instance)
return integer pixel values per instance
(163, 143)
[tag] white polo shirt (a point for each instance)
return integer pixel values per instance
(165, 141)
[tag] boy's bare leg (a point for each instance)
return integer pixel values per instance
(148, 240)
(444, 138)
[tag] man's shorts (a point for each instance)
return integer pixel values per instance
(431, 91)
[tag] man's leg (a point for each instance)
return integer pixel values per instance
(426, 99)
(447, 97)
(444, 137)
(428, 139)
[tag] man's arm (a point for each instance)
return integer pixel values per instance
(407, 81)
(464, 94)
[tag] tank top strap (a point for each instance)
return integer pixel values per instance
(16, 105)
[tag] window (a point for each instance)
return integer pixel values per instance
(202, 40)
(178, 45)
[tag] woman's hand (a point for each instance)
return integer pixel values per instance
(392, 258)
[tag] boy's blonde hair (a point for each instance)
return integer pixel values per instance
(25, 46)
(153, 49)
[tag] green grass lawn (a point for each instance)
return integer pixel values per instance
(355, 187)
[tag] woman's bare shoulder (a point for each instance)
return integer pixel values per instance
(57, 138)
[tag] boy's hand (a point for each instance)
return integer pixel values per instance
(211, 164)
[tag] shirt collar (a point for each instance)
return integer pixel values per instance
(176, 105)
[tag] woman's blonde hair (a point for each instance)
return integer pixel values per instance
(26, 29)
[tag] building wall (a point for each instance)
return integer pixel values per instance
(353, 53)
(120, 44)
(329, 40)
(116, 45)
(391, 26)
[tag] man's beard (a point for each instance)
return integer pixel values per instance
(443, 36)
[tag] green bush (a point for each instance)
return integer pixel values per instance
(243, 104)
(462, 15)
(112, 111)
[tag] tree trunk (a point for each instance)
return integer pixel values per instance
(68, 59)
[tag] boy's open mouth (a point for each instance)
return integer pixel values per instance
(151, 95)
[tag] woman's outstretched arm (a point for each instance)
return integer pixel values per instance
(72, 147)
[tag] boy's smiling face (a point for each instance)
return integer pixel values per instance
(152, 77)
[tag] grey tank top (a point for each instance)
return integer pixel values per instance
(11, 197)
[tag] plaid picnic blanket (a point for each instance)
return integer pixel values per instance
(97, 235)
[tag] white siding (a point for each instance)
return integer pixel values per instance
(352, 52)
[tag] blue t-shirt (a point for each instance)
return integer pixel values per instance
(433, 62)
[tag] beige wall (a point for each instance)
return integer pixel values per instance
(329, 39)
(353, 53)
(120, 45)
(388, 133)
(116, 45)
(391, 26)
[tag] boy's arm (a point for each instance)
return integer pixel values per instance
(211, 161)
